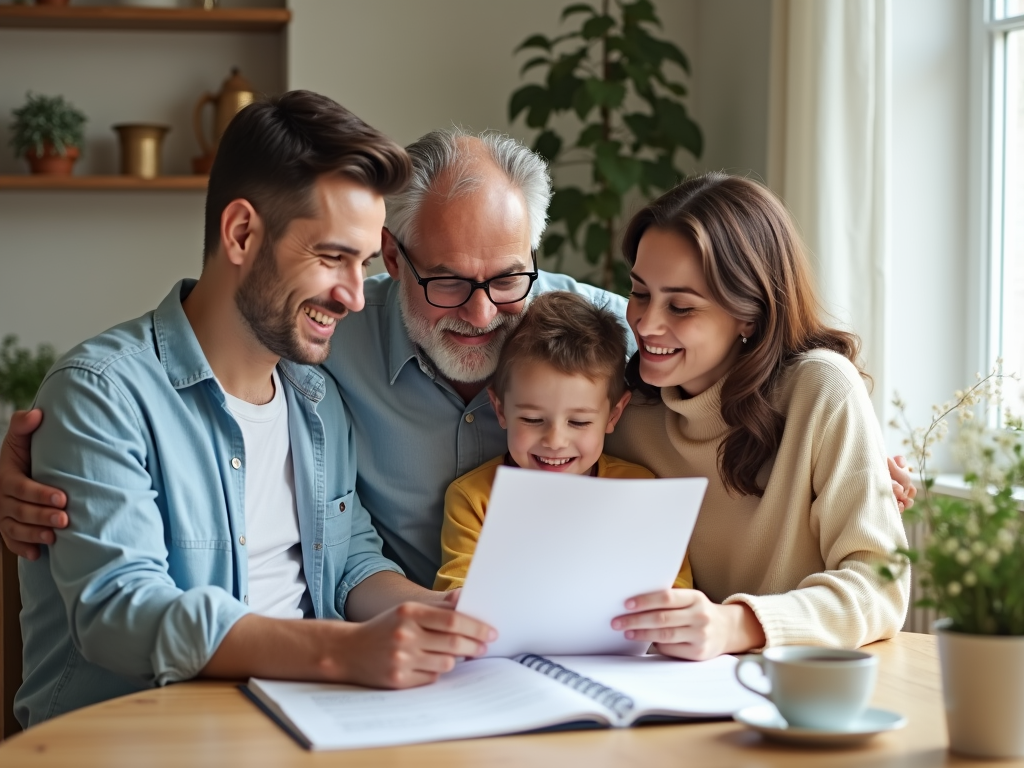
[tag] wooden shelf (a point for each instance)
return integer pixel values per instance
(102, 183)
(160, 19)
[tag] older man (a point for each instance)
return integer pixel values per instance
(413, 365)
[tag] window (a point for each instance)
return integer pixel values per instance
(1004, 30)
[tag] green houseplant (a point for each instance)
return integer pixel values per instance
(971, 568)
(615, 78)
(21, 371)
(47, 131)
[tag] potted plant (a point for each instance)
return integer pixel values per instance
(47, 131)
(21, 373)
(618, 80)
(971, 569)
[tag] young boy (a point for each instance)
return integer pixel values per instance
(559, 388)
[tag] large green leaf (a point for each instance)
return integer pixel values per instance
(606, 204)
(536, 61)
(563, 92)
(660, 174)
(640, 11)
(539, 112)
(590, 135)
(677, 126)
(578, 8)
(597, 27)
(534, 41)
(569, 204)
(605, 94)
(621, 172)
(641, 125)
(524, 98)
(553, 242)
(596, 242)
(582, 103)
(548, 145)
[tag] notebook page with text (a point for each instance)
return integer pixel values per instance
(661, 686)
(483, 697)
(559, 555)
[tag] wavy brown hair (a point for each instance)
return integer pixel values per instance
(756, 269)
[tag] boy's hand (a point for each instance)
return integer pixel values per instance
(685, 624)
(902, 483)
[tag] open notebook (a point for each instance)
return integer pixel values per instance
(488, 697)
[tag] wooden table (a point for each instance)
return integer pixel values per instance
(212, 723)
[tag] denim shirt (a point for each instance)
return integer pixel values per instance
(152, 571)
(414, 433)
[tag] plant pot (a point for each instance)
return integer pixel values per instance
(51, 162)
(983, 690)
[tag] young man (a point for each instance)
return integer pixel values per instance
(210, 470)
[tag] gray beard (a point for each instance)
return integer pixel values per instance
(456, 362)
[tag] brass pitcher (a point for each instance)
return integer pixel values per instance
(235, 93)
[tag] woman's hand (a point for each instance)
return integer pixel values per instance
(685, 624)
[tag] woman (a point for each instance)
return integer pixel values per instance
(752, 390)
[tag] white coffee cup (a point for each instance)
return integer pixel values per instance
(814, 687)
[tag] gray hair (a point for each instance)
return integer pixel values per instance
(443, 153)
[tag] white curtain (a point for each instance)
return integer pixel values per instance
(828, 156)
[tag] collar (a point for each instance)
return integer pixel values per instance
(400, 349)
(185, 362)
(698, 417)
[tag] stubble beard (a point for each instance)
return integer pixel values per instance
(456, 362)
(266, 311)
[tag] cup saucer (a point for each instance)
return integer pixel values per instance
(765, 719)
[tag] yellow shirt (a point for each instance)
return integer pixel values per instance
(465, 505)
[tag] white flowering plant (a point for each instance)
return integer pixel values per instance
(972, 560)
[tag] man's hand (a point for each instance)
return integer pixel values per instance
(685, 624)
(28, 511)
(902, 483)
(412, 645)
(408, 645)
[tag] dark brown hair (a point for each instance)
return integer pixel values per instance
(756, 269)
(573, 336)
(273, 151)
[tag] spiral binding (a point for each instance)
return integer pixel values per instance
(617, 702)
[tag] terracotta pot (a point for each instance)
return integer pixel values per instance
(983, 690)
(51, 162)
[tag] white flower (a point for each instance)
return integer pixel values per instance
(978, 547)
(970, 579)
(949, 546)
(963, 557)
(953, 588)
(993, 556)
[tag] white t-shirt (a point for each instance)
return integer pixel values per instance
(277, 586)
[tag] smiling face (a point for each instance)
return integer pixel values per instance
(556, 422)
(298, 287)
(478, 235)
(685, 338)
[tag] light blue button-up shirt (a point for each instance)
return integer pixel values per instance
(414, 433)
(152, 572)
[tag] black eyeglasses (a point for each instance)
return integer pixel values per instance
(450, 292)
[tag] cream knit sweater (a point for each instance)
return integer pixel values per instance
(803, 556)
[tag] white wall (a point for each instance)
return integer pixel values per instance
(72, 264)
(75, 263)
(931, 256)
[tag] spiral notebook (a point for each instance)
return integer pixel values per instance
(494, 696)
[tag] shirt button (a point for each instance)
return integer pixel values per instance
(241, 540)
(318, 546)
(236, 463)
(470, 418)
(245, 599)
(341, 507)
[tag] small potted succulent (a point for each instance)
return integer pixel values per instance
(47, 131)
(971, 568)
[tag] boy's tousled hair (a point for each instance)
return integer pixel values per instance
(573, 336)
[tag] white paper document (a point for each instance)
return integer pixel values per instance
(559, 555)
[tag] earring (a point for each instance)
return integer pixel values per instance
(744, 338)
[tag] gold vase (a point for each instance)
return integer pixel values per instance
(140, 148)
